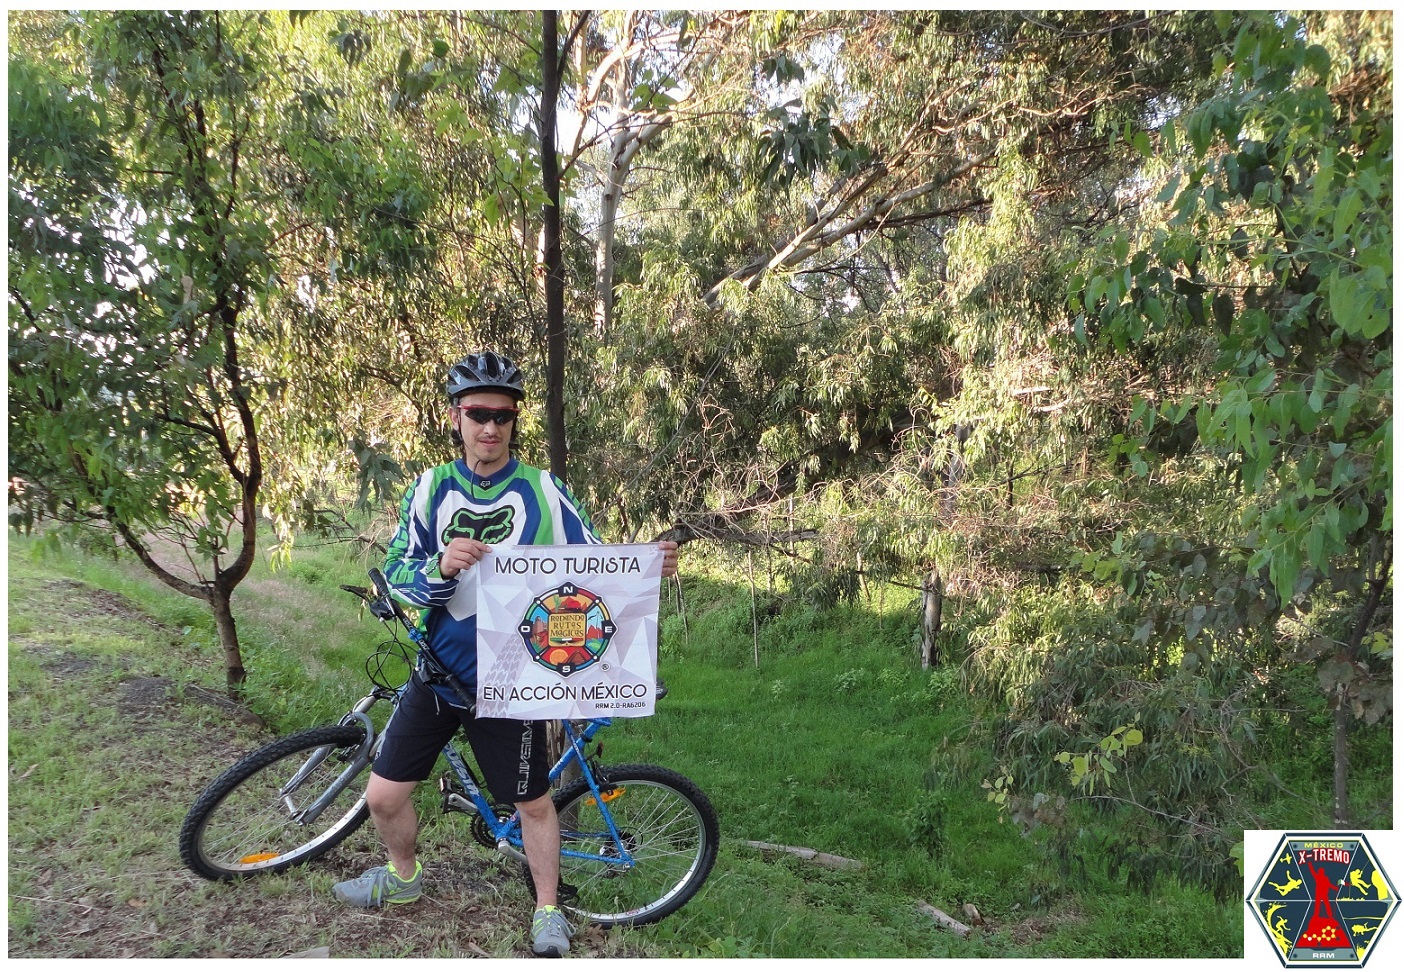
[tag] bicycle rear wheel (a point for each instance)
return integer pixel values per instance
(667, 825)
(243, 823)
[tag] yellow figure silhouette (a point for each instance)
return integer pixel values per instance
(1357, 880)
(1279, 928)
(1291, 885)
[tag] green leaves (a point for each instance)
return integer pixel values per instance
(1309, 283)
(1360, 309)
(798, 141)
(1093, 770)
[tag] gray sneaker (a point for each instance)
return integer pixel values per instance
(550, 932)
(378, 887)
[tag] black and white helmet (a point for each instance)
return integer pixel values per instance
(485, 371)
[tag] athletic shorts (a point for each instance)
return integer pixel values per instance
(511, 754)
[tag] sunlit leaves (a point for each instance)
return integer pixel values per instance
(220, 177)
(1281, 289)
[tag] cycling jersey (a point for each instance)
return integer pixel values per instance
(518, 504)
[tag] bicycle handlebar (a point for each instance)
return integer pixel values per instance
(385, 607)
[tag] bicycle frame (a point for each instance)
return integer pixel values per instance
(505, 831)
(625, 860)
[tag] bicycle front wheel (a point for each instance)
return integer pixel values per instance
(251, 819)
(665, 823)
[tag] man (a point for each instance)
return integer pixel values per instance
(449, 518)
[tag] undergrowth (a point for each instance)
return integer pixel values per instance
(807, 726)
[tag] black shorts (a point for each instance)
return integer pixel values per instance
(510, 753)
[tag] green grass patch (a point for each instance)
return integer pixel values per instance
(819, 732)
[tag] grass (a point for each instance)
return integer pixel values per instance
(835, 741)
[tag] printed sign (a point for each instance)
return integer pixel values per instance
(568, 632)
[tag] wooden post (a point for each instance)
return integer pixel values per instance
(755, 627)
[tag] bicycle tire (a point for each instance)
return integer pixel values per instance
(241, 825)
(670, 829)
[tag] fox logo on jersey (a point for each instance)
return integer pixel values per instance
(491, 527)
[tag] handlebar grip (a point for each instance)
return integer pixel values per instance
(378, 581)
(381, 587)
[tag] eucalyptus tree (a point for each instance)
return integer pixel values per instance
(638, 73)
(1239, 301)
(467, 89)
(437, 105)
(1273, 268)
(790, 209)
(169, 185)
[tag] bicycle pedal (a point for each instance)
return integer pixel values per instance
(448, 790)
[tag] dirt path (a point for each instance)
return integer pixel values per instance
(109, 749)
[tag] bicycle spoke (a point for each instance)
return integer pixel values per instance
(669, 843)
(243, 824)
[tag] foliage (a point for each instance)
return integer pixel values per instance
(165, 168)
(1275, 315)
(1087, 313)
(929, 840)
(1294, 157)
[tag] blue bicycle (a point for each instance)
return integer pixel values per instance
(637, 841)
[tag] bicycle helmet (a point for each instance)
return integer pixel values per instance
(485, 371)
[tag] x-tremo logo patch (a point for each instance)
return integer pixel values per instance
(1323, 900)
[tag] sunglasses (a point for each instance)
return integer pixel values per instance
(482, 416)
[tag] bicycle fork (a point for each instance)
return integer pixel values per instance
(307, 815)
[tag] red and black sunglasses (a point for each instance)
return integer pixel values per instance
(482, 415)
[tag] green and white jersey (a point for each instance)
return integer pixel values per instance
(518, 504)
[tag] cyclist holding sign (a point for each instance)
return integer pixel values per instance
(449, 519)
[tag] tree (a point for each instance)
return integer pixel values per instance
(161, 174)
(554, 271)
(1277, 260)
(1249, 550)
(653, 72)
(813, 191)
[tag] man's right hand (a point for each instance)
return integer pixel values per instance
(460, 554)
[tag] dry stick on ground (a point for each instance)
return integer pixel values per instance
(942, 918)
(809, 854)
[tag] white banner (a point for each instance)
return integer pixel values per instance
(568, 632)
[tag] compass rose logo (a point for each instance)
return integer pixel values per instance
(567, 629)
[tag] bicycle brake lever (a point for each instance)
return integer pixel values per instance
(360, 592)
(383, 608)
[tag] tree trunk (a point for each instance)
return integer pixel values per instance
(553, 265)
(552, 262)
(1340, 746)
(625, 146)
(604, 246)
(931, 602)
(219, 598)
(1340, 750)
(951, 478)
